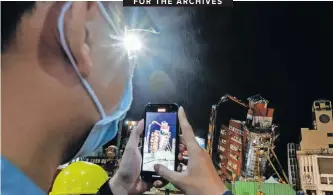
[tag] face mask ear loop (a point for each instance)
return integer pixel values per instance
(112, 25)
(107, 17)
(71, 59)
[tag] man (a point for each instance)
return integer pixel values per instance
(66, 83)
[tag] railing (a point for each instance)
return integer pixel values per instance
(322, 151)
(306, 185)
(234, 129)
(236, 140)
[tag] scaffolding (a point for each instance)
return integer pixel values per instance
(293, 169)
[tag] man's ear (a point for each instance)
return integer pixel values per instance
(76, 34)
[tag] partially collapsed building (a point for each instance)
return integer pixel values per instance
(245, 147)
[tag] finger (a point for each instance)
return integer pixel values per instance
(181, 148)
(188, 135)
(171, 176)
(180, 156)
(141, 187)
(181, 140)
(133, 141)
(158, 184)
(179, 168)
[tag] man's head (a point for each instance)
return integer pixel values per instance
(40, 86)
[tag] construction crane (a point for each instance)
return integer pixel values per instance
(259, 192)
(227, 97)
(212, 123)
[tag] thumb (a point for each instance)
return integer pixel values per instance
(140, 187)
(172, 176)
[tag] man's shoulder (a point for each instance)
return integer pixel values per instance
(227, 193)
(15, 182)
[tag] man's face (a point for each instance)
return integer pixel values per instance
(102, 46)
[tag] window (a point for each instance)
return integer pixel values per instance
(330, 180)
(330, 145)
(233, 156)
(323, 180)
(329, 134)
(224, 141)
(221, 148)
(233, 147)
(237, 139)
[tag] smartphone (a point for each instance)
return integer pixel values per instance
(160, 139)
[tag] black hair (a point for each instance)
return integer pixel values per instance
(11, 14)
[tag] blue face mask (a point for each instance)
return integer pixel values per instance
(106, 128)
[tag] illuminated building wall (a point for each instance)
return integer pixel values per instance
(230, 148)
(321, 136)
(315, 155)
(223, 150)
(221, 115)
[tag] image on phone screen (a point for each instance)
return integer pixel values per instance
(160, 140)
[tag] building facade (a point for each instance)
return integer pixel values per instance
(230, 149)
(260, 135)
(321, 136)
(315, 154)
(245, 145)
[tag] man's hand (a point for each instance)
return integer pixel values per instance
(127, 180)
(200, 177)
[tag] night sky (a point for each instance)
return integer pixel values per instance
(281, 50)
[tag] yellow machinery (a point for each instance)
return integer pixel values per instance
(266, 151)
(259, 192)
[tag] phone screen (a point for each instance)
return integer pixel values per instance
(159, 140)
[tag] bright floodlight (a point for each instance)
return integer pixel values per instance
(132, 43)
